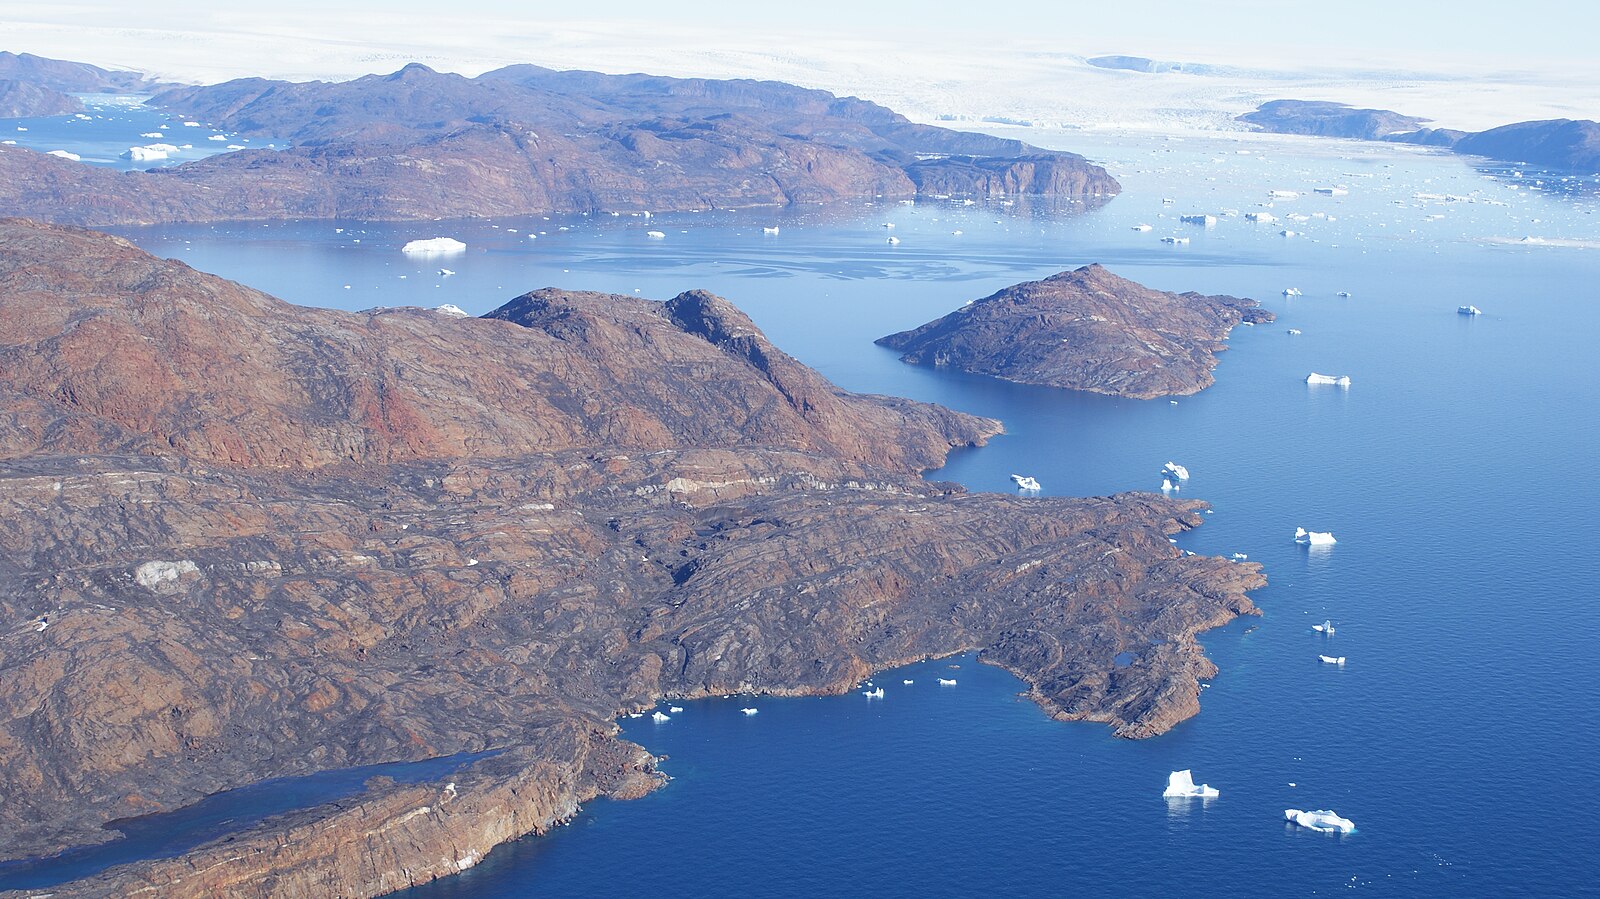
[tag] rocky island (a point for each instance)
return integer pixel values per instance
(523, 140)
(248, 540)
(1086, 329)
(1326, 119)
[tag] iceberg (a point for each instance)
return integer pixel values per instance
(908, 682)
(873, 694)
(1333, 191)
(1332, 660)
(1340, 381)
(751, 711)
(434, 246)
(1344, 293)
(656, 235)
(772, 230)
(1167, 486)
(1325, 627)
(153, 134)
(451, 310)
(445, 273)
(65, 155)
(1208, 221)
(1175, 240)
(144, 154)
(1291, 291)
(1024, 482)
(947, 682)
(659, 718)
(675, 709)
(1260, 217)
(1313, 538)
(1294, 332)
(1285, 194)
(1469, 310)
(1180, 784)
(893, 239)
(1175, 469)
(1143, 228)
(1323, 820)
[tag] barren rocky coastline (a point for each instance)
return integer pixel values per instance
(1085, 329)
(251, 540)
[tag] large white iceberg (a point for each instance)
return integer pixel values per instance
(434, 246)
(1175, 469)
(1332, 660)
(660, 718)
(751, 711)
(656, 235)
(1181, 784)
(451, 310)
(64, 154)
(1469, 310)
(146, 154)
(1024, 482)
(1340, 381)
(1324, 820)
(1313, 538)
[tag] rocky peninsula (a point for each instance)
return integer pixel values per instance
(523, 140)
(248, 540)
(1085, 329)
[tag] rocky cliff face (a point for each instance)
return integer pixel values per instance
(1570, 145)
(19, 99)
(1085, 330)
(248, 540)
(419, 144)
(66, 77)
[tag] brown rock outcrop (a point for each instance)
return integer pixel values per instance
(215, 613)
(1086, 329)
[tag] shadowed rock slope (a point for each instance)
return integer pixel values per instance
(419, 144)
(396, 535)
(1085, 329)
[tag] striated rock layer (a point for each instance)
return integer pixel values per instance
(420, 144)
(266, 540)
(1085, 329)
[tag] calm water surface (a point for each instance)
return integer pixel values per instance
(1457, 472)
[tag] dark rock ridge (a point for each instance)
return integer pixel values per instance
(69, 77)
(1326, 119)
(20, 99)
(1569, 145)
(420, 144)
(1086, 329)
(263, 540)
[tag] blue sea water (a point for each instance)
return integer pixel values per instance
(1458, 473)
(110, 125)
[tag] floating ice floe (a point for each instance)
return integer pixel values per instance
(1294, 332)
(873, 694)
(1262, 217)
(947, 682)
(218, 137)
(1340, 381)
(65, 155)
(451, 310)
(772, 230)
(1287, 233)
(1313, 538)
(1332, 660)
(1323, 820)
(191, 124)
(1333, 191)
(434, 246)
(1469, 310)
(1176, 470)
(1180, 784)
(1144, 227)
(1024, 482)
(1208, 221)
(1325, 627)
(656, 235)
(751, 711)
(1285, 194)
(659, 718)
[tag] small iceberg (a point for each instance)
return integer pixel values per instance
(675, 709)
(1143, 228)
(1260, 217)
(1345, 293)
(1209, 221)
(1292, 292)
(1313, 538)
(445, 273)
(1325, 627)
(772, 230)
(1322, 820)
(71, 157)
(659, 718)
(751, 711)
(1167, 486)
(1176, 470)
(1340, 381)
(1240, 557)
(893, 239)
(434, 246)
(1024, 482)
(908, 682)
(873, 694)
(947, 682)
(1469, 310)
(1175, 240)
(1332, 191)
(451, 310)
(1294, 332)
(656, 235)
(1180, 784)
(1332, 660)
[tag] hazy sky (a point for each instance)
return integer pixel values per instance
(1529, 33)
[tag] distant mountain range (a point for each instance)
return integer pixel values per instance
(522, 140)
(1571, 145)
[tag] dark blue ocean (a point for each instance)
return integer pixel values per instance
(1458, 472)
